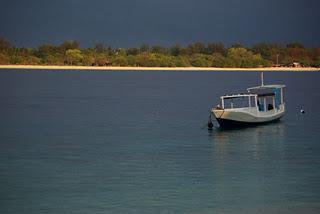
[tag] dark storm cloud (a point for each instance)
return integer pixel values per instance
(124, 23)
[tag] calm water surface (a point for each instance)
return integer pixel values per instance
(134, 142)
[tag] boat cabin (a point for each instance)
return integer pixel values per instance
(264, 98)
(269, 96)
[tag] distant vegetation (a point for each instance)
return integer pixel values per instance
(196, 55)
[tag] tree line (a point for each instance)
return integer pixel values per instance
(196, 54)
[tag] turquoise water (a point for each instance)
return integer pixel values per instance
(134, 142)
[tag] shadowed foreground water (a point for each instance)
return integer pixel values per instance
(134, 142)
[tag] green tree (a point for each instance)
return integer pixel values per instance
(132, 61)
(316, 62)
(144, 48)
(175, 50)
(201, 60)
(216, 48)
(121, 51)
(297, 53)
(30, 60)
(54, 59)
(218, 60)
(195, 54)
(68, 45)
(101, 60)
(100, 48)
(159, 49)
(73, 56)
(49, 54)
(182, 61)
(88, 57)
(163, 60)
(133, 51)
(120, 60)
(196, 48)
(315, 54)
(241, 57)
(4, 59)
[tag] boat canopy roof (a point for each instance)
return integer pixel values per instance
(262, 87)
(231, 96)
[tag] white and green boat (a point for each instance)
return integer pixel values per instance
(259, 105)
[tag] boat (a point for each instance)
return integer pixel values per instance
(258, 105)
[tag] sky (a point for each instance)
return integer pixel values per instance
(130, 23)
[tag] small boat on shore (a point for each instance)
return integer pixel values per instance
(259, 105)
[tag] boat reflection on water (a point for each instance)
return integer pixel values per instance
(255, 140)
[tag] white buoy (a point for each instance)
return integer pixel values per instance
(302, 111)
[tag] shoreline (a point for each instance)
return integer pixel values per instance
(116, 68)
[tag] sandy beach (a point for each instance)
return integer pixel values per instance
(114, 68)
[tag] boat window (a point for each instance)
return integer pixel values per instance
(253, 101)
(237, 102)
(266, 103)
(260, 104)
(269, 102)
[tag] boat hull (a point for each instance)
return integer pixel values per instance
(233, 124)
(246, 117)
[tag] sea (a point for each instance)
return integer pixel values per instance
(100, 142)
